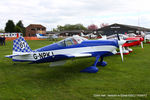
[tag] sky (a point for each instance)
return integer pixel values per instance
(51, 13)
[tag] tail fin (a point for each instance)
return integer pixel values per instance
(21, 46)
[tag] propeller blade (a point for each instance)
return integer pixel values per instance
(120, 43)
(118, 36)
(121, 52)
(142, 44)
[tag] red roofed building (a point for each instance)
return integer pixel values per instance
(33, 29)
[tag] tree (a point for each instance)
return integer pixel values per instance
(54, 30)
(60, 28)
(2, 31)
(79, 27)
(19, 24)
(20, 27)
(92, 27)
(69, 27)
(10, 26)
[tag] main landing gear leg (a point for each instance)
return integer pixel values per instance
(92, 69)
(102, 63)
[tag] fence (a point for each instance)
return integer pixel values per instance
(26, 38)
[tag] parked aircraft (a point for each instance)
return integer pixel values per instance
(147, 37)
(48, 36)
(42, 36)
(130, 41)
(53, 37)
(90, 36)
(72, 47)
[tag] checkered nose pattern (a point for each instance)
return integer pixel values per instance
(20, 45)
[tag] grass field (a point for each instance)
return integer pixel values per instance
(24, 81)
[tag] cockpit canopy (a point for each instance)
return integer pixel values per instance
(71, 41)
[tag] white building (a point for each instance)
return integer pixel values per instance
(11, 34)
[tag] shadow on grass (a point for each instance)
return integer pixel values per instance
(43, 74)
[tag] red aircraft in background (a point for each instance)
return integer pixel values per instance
(131, 40)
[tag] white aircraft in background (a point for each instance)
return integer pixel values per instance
(130, 41)
(42, 36)
(91, 35)
(47, 36)
(53, 37)
(147, 37)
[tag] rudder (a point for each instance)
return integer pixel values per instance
(20, 45)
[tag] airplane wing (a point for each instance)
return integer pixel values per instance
(58, 63)
(82, 55)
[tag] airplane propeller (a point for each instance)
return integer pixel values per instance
(121, 52)
(120, 43)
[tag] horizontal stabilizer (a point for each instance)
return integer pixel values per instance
(21, 54)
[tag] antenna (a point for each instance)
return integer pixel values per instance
(139, 22)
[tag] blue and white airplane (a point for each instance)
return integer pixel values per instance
(42, 36)
(72, 47)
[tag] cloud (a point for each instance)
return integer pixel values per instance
(51, 13)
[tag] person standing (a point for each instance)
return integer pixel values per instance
(0, 40)
(3, 40)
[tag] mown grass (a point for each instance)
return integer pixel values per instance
(24, 81)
